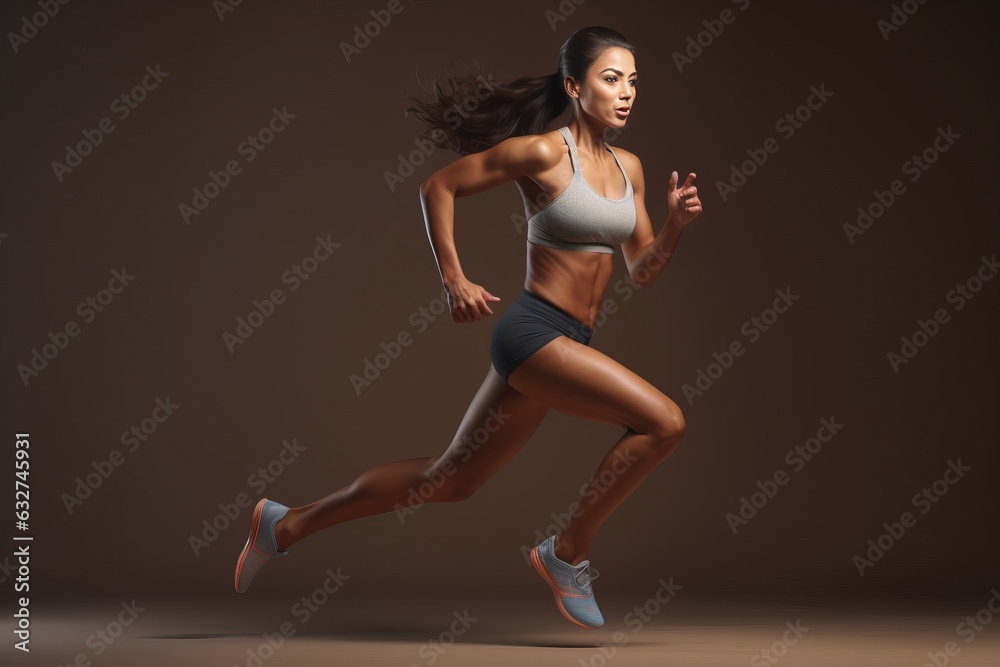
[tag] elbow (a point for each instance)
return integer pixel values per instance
(646, 280)
(427, 188)
(433, 185)
(430, 185)
(647, 277)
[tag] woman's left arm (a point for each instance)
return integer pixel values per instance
(646, 255)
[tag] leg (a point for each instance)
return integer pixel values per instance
(581, 381)
(505, 414)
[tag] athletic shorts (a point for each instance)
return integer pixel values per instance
(528, 324)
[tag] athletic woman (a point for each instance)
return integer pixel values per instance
(582, 198)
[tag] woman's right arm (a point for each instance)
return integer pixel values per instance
(472, 174)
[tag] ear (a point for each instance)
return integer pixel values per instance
(573, 87)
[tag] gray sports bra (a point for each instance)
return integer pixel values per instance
(580, 218)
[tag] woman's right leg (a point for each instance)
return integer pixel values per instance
(508, 418)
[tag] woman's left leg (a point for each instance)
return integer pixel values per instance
(578, 380)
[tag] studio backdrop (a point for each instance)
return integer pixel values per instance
(218, 286)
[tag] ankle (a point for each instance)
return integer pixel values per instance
(568, 550)
(283, 537)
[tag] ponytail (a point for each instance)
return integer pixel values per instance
(480, 112)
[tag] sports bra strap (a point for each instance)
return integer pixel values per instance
(573, 157)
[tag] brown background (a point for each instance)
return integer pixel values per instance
(325, 175)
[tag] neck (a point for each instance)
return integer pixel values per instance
(589, 138)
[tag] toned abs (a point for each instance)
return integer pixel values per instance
(573, 281)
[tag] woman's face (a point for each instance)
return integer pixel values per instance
(610, 85)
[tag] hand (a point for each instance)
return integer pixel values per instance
(467, 301)
(683, 203)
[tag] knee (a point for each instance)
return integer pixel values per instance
(447, 485)
(670, 426)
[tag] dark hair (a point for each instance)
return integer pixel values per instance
(479, 112)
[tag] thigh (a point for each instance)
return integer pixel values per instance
(497, 423)
(520, 331)
(578, 380)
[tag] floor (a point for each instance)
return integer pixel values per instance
(259, 631)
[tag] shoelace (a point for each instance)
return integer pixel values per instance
(589, 574)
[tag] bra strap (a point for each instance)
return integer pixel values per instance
(574, 158)
(628, 182)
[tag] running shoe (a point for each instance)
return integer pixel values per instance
(570, 584)
(261, 546)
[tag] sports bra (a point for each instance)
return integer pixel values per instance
(580, 218)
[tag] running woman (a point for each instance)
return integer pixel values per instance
(582, 198)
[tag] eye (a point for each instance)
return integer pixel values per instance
(611, 78)
(633, 82)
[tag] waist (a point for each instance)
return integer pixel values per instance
(545, 303)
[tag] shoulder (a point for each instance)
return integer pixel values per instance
(628, 158)
(533, 152)
(630, 161)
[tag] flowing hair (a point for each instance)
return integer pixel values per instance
(480, 112)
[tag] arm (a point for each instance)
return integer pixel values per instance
(646, 255)
(472, 174)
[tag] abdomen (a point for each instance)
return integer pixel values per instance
(572, 280)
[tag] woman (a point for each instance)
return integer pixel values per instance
(539, 347)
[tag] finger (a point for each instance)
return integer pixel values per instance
(689, 180)
(484, 308)
(471, 311)
(672, 185)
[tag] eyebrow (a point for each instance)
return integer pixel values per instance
(615, 71)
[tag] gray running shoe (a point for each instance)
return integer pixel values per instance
(261, 546)
(570, 584)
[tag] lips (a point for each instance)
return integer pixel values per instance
(623, 108)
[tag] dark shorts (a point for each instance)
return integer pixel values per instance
(528, 324)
